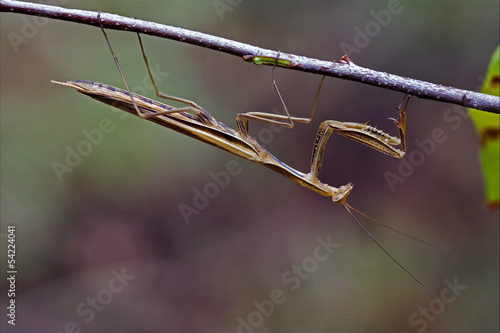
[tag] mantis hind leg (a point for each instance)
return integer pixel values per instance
(192, 106)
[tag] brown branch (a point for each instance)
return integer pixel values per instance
(341, 69)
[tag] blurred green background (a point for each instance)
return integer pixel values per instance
(118, 208)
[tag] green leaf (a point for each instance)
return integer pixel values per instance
(488, 127)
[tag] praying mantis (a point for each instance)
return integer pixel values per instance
(194, 121)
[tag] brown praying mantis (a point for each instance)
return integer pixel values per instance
(194, 121)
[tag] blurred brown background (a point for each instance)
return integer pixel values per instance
(117, 212)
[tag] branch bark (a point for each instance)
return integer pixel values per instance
(342, 69)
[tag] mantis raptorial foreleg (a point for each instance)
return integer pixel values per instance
(195, 122)
(363, 133)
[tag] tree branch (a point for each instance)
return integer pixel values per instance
(344, 69)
